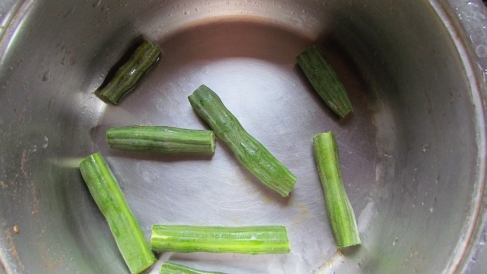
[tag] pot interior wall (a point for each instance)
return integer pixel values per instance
(409, 153)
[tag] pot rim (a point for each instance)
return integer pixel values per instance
(467, 34)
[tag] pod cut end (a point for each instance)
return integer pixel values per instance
(212, 142)
(285, 188)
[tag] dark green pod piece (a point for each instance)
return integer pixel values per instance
(131, 71)
(325, 81)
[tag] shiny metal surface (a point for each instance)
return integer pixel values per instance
(412, 154)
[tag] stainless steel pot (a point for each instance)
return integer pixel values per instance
(413, 154)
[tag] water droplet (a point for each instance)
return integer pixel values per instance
(45, 142)
(425, 148)
(33, 148)
(481, 50)
(432, 209)
(395, 241)
(96, 4)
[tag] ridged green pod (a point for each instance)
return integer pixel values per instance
(219, 239)
(339, 210)
(250, 152)
(325, 81)
(125, 228)
(131, 71)
(161, 139)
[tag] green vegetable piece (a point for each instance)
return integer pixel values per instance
(339, 209)
(218, 239)
(131, 71)
(170, 268)
(325, 81)
(125, 228)
(252, 154)
(161, 139)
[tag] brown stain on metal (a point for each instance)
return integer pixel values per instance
(23, 160)
(303, 210)
(12, 248)
(30, 183)
(48, 261)
(33, 199)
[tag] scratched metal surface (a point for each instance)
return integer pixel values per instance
(411, 153)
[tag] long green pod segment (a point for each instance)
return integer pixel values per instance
(125, 228)
(172, 268)
(250, 152)
(144, 56)
(161, 139)
(325, 81)
(339, 210)
(220, 239)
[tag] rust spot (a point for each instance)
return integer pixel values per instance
(13, 249)
(303, 210)
(23, 160)
(48, 260)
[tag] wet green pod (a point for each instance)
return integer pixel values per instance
(131, 71)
